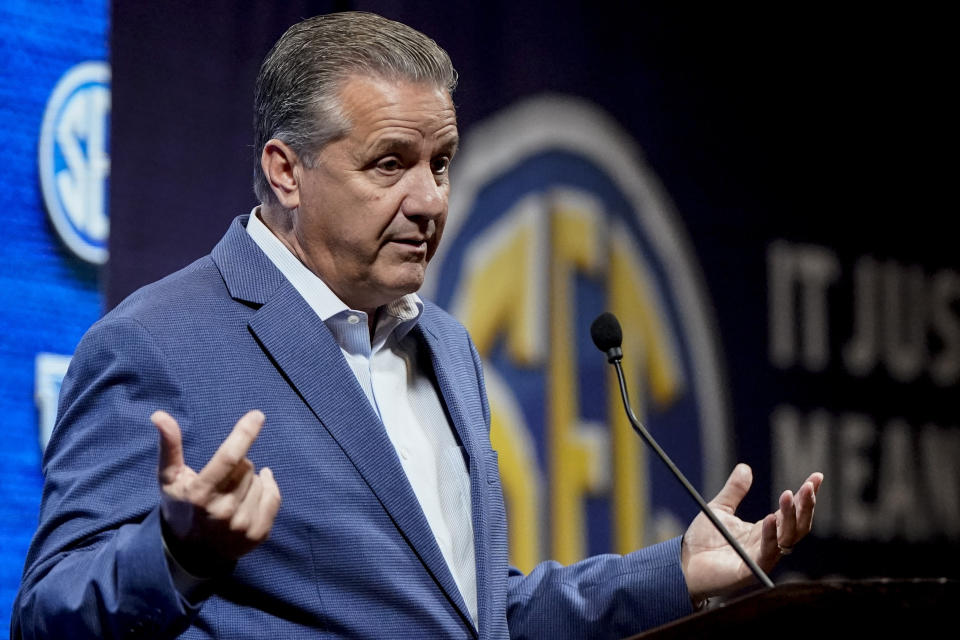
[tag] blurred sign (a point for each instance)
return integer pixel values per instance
(75, 159)
(554, 219)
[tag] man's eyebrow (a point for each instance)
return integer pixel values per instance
(392, 144)
(452, 144)
(402, 144)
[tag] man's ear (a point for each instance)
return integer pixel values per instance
(278, 161)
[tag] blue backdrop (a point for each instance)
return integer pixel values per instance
(50, 295)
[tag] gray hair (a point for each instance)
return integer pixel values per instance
(297, 92)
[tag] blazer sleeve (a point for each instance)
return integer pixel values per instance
(96, 567)
(604, 596)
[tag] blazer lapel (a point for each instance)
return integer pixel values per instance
(308, 356)
(440, 359)
(448, 390)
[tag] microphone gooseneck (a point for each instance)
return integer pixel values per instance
(607, 336)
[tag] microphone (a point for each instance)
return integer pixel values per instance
(608, 337)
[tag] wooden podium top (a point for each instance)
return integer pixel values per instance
(850, 609)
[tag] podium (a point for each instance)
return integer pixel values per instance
(849, 609)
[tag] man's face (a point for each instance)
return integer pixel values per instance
(372, 210)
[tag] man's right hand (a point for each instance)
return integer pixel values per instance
(217, 515)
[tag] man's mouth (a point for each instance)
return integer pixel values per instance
(412, 242)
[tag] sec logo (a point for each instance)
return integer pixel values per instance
(553, 219)
(74, 159)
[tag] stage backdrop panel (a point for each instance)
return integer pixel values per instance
(54, 131)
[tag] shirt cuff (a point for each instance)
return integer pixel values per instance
(188, 585)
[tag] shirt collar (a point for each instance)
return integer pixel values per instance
(396, 317)
(403, 313)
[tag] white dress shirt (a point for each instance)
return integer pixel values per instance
(397, 383)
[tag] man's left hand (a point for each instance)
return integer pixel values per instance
(712, 567)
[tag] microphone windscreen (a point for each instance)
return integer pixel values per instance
(605, 332)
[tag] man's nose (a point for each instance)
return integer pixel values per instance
(426, 194)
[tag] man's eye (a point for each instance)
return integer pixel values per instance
(389, 165)
(440, 165)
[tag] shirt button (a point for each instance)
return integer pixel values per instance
(404, 454)
(353, 319)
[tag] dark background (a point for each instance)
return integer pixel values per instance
(830, 127)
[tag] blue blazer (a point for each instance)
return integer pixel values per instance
(351, 553)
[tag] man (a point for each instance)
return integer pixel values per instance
(362, 405)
